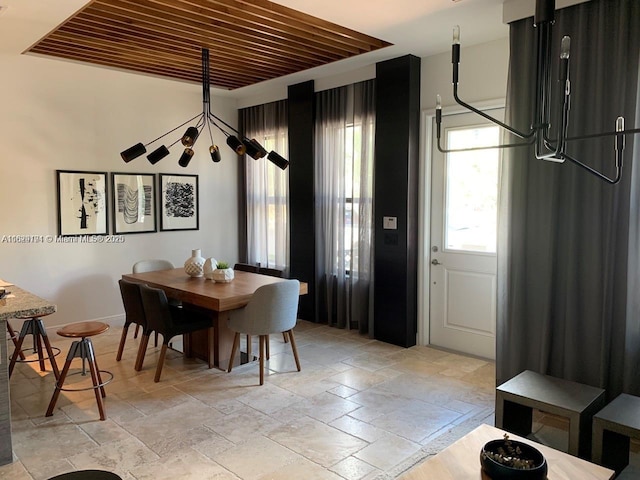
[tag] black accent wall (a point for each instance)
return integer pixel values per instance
(396, 195)
(301, 99)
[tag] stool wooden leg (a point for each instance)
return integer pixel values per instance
(234, 349)
(294, 349)
(52, 359)
(123, 339)
(36, 334)
(94, 378)
(95, 361)
(59, 383)
(135, 333)
(14, 339)
(16, 353)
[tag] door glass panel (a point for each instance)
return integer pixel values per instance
(471, 190)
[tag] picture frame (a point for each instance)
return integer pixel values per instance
(83, 208)
(179, 202)
(134, 203)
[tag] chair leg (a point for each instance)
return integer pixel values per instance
(14, 339)
(248, 348)
(267, 342)
(123, 339)
(142, 350)
(163, 352)
(284, 337)
(262, 342)
(234, 349)
(135, 333)
(294, 349)
(155, 340)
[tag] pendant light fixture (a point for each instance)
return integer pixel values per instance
(240, 144)
(539, 135)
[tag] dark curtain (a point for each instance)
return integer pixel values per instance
(568, 266)
(345, 133)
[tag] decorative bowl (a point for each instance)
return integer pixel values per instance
(535, 468)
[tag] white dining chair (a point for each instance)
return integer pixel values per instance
(273, 308)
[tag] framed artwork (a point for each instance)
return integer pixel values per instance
(82, 203)
(179, 202)
(134, 203)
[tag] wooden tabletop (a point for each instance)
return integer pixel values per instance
(461, 460)
(200, 291)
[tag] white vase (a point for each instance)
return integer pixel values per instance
(210, 265)
(193, 266)
(222, 275)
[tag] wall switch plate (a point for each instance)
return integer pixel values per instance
(390, 223)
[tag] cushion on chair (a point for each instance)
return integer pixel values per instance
(272, 309)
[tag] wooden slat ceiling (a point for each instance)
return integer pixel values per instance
(249, 40)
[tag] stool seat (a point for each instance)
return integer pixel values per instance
(516, 398)
(83, 329)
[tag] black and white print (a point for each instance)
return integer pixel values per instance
(82, 203)
(134, 205)
(179, 202)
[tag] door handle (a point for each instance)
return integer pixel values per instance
(435, 262)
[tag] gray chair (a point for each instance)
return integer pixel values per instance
(152, 265)
(272, 309)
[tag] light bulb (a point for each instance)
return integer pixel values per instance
(565, 47)
(456, 35)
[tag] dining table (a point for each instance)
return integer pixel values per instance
(218, 299)
(15, 303)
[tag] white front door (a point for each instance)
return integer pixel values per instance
(464, 198)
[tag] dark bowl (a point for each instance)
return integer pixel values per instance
(497, 471)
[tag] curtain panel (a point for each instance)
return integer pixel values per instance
(345, 132)
(266, 187)
(568, 266)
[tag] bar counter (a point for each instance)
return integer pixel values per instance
(19, 303)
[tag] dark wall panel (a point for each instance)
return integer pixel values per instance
(396, 195)
(301, 187)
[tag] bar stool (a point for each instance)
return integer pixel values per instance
(35, 327)
(83, 349)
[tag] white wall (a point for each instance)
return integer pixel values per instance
(483, 74)
(62, 115)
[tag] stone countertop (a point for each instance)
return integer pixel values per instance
(23, 304)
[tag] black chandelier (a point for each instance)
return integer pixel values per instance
(546, 148)
(239, 144)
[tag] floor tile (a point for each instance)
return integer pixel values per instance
(359, 409)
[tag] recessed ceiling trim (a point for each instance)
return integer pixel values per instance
(249, 41)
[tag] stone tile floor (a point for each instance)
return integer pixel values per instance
(359, 409)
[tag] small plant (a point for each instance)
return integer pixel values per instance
(510, 456)
(222, 265)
